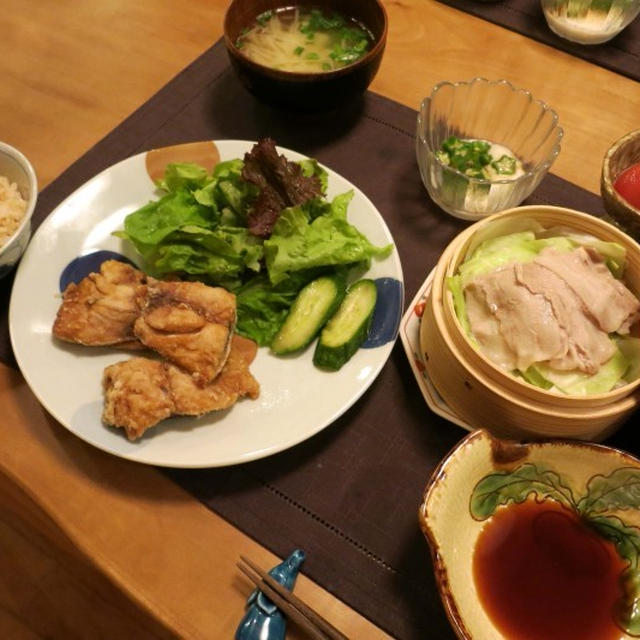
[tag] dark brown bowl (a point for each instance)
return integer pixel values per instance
(622, 154)
(306, 91)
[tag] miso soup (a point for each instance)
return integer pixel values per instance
(304, 40)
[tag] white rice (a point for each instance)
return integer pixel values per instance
(12, 209)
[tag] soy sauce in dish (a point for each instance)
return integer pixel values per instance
(542, 574)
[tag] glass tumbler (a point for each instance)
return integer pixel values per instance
(589, 21)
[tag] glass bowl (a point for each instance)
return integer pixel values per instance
(499, 113)
(589, 21)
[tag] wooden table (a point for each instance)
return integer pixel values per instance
(95, 546)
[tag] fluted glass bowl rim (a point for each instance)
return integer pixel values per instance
(528, 174)
(627, 11)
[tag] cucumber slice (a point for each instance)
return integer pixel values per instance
(345, 332)
(315, 303)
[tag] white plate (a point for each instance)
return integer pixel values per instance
(410, 337)
(296, 399)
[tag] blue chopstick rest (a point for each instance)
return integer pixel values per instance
(262, 619)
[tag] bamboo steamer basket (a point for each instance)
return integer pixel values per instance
(483, 394)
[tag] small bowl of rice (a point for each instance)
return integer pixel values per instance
(18, 196)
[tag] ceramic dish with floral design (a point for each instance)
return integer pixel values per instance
(410, 337)
(536, 541)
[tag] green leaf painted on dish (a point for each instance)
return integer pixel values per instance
(619, 490)
(516, 486)
(627, 542)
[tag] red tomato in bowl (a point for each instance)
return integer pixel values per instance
(627, 184)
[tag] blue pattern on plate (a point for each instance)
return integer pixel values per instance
(388, 312)
(82, 266)
(384, 325)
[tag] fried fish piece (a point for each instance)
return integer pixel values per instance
(190, 324)
(234, 381)
(140, 392)
(101, 309)
(137, 395)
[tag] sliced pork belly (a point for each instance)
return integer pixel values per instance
(527, 329)
(586, 346)
(190, 324)
(101, 309)
(486, 328)
(610, 303)
(558, 309)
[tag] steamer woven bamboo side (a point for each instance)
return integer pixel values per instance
(484, 395)
(484, 404)
(549, 217)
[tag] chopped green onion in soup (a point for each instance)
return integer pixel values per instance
(304, 40)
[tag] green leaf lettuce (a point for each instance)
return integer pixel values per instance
(300, 241)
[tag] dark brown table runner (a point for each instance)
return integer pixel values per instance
(348, 496)
(621, 54)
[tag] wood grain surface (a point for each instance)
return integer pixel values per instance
(92, 546)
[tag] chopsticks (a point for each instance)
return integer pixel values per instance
(304, 616)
